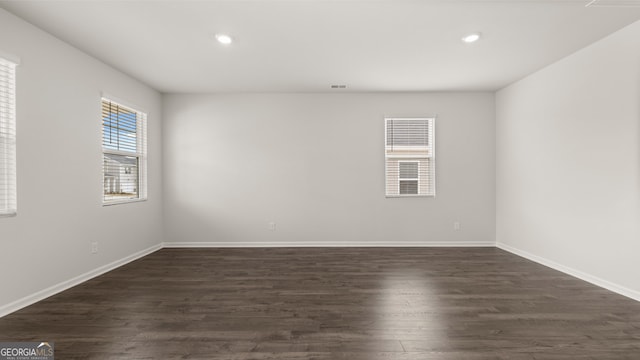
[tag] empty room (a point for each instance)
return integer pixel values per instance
(320, 179)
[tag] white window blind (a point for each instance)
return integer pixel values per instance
(409, 157)
(8, 194)
(124, 153)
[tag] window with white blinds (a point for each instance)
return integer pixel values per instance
(8, 193)
(124, 153)
(410, 157)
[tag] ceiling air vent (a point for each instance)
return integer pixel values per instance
(613, 3)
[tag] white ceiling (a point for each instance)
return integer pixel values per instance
(307, 45)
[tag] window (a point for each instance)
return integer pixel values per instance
(124, 153)
(409, 157)
(8, 195)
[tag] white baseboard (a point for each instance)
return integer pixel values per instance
(619, 289)
(247, 244)
(52, 290)
(43, 294)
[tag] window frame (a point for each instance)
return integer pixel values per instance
(140, 155)
(431, 157)
(9, 123)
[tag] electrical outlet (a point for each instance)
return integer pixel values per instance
(94, 247)
(456, 225)
(272, 226)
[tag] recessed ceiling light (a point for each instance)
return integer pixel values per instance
(471, 38)
(224, 39)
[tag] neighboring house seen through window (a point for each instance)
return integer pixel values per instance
(124, 148)
(410, 157)
(8, 192)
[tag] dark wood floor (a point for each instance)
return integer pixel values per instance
(333, 303)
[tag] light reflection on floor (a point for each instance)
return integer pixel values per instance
(407, 310)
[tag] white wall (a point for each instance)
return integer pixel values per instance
(59, 167)
(568, 163)
(314, 164)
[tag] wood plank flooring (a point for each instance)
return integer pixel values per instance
(333, 303)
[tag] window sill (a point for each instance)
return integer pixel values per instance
(118, 202)
(9, 215)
